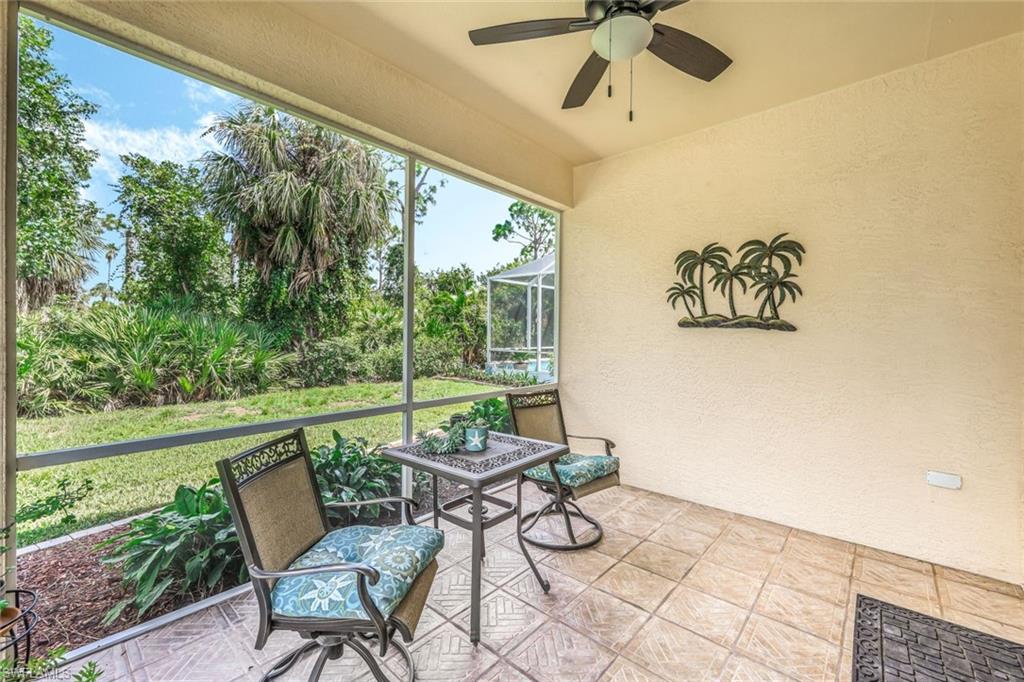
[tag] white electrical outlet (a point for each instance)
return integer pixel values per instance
(941, 479)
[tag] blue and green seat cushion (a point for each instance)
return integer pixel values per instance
(399, 553)
(576, 470)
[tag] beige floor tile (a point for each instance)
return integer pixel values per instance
(563, 589)
(213, 658)
(725, 583)
(675, 653)
(921, 605)
(820, 554)
(787, 649)
(889, 557)
(984, 582)
(763, 535)
(741, 669)
(181, 635)
(636, 585)
(743, 558)
(458, 544)
(703, 522)
(913, 582)
(624, 670)
(628, 521)
(500, 564)
(812, 615)
(833, 543)
(503, 672)
(681, 539)
(808, 578)
(659, 559)
(557, 653)
(616, 543)
(447, 655)
(708, 616)
(846, 666)
(664, 508)
(604, 618)
(452, 590)
(504, 620)
(112, 661)
(975, 622)
(585, 565)
(992, 605)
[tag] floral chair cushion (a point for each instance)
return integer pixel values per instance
(576, 470)
(399, 553)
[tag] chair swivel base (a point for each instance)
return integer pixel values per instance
(566, 509)
(331, 648)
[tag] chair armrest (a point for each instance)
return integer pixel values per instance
(363, 570)
(608, 444)
(408, 503)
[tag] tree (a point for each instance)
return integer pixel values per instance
(726, 277)
(761, 258)
(304, 205)
(58, 230)
(771, 281)
(529, 226)
(110, 252)
(690, 265)
(102, 291)
(178, 247)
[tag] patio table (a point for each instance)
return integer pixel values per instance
(505, 456)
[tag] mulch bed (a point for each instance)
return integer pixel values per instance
(75, 592)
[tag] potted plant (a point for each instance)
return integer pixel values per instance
(476, 435)
(521, 360)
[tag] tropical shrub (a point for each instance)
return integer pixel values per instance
(502, 378)
(328, 362)
(382, 364)
(437, 356)
(349, 471)
(45, 667)
(109, 356)
(189, 545)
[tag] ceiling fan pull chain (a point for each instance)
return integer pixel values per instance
(630, 90)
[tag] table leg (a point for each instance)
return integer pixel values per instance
(477, 565)
(545, 585)
(437, 511)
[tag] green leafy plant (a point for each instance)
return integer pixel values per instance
(349, 471)
(45, 667)
(493, 412)
(189, 545)
(442, 442)
(66, 498)
(327, 362)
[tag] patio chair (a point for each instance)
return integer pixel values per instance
(337, 587)
(538, 415)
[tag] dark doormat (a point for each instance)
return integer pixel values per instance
(896, 644)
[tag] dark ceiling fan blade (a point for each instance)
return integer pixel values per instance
(585, 82)
(526, 30)
(655, 6)
(688, 53)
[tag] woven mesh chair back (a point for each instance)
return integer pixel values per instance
(276, 501)
(537, 415)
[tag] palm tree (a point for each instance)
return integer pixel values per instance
(110, 253)
(297, 197)
(687, 293)
(102, 290)
(690, 265)
(761, 258)
(727, 277)
(771, 281)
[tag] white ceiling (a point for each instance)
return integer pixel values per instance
(781, 51)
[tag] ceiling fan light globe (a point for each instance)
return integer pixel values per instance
(630, 35)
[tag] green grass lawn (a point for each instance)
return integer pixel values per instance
(135, 483)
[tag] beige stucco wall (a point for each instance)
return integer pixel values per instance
(267, 47)
(906, 190)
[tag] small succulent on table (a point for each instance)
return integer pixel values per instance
(443, 441)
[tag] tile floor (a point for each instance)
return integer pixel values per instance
(675, 591)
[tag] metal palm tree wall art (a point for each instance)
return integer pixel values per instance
(765, 269)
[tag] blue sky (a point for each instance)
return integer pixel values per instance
(155, 111)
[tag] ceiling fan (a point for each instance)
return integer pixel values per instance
(622, 30)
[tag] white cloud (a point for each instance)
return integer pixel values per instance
(99, 97)
(170, 143)
(202, 95)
